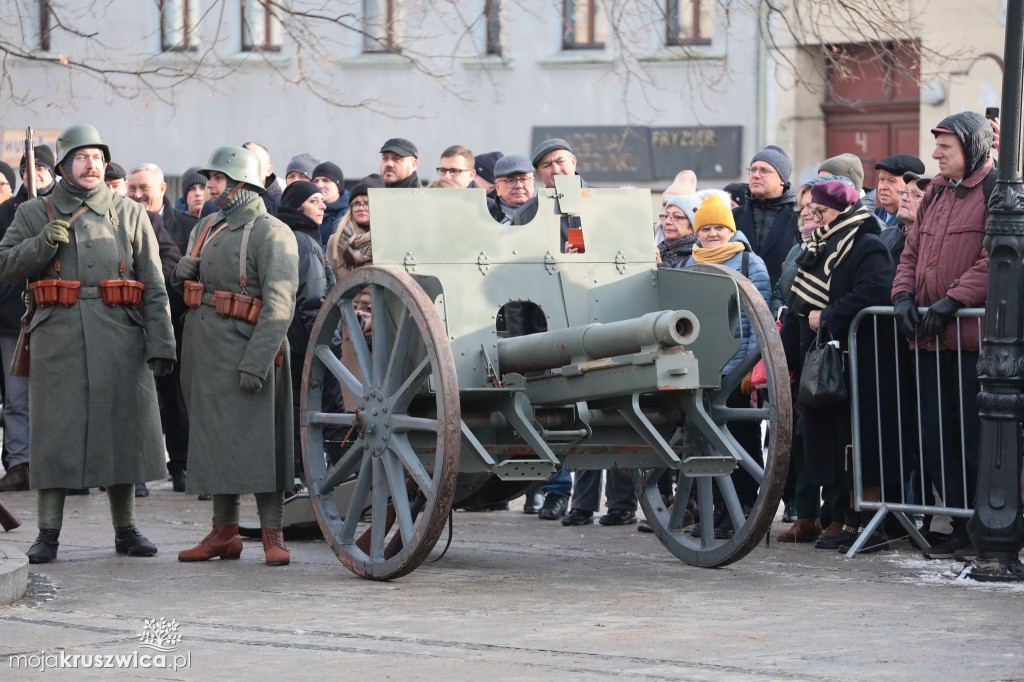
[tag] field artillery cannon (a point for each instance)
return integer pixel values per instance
(627, 375)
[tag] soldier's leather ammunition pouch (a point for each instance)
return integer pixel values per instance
(47, 292)
(227, 304)
(126, 292)
(193, 294)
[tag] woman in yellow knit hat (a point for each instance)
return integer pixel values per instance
(719, 243)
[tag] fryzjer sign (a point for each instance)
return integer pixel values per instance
(642, 154)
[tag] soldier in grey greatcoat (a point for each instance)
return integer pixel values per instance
(92, 399)
(234, 372)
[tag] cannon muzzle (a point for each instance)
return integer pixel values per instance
(549, 350)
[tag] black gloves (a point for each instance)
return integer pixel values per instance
(907, 317)
(937, 314)
(250, 382)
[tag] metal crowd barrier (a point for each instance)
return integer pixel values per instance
(905, 506)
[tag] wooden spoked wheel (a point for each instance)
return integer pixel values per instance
(402, 456)
(711, 420)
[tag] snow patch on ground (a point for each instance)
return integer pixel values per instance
(940, 572)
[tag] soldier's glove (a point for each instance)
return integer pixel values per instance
(161, 366)
(250, 382)
(187, 269)
(907, 317)
(937, 314)
(56, 231)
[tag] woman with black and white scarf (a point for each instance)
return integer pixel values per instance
(844, 269)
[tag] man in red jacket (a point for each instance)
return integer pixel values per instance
(944, 267)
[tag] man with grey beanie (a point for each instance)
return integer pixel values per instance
(300, 168)
(849, 166)
(767, 219)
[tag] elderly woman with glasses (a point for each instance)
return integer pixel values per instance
(677, 225)
(844, 269)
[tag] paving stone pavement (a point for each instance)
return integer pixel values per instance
(514, 598)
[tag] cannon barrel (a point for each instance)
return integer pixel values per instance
(548, 350)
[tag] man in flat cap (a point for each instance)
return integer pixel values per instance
(513, 181)
(399, 160)
(550, 158)
(890, 183)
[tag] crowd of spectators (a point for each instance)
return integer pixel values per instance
(818, 252)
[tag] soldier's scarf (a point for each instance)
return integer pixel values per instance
(67, 181)
(242, 197)
(829, 245)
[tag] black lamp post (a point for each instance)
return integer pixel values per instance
(996, 527)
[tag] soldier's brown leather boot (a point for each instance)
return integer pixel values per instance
(222, 541)
(273, 547)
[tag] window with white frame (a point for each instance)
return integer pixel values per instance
(689, 22)
(381, 22)
(261, 27)
(179, 25)
(583, 24)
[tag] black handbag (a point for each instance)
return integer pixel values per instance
(821, 382)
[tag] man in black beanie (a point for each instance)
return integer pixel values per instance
(116, 179)
(399, 160)
(193, 191)
(330, 181)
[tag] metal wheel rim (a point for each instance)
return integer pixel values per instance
(403, 528)
(667, 522)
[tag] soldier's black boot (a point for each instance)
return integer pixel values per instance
(128, 540)
(44, 549)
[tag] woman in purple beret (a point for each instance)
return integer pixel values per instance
(844, 269)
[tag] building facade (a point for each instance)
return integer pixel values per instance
(641, 88)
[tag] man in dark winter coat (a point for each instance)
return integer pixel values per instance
(944, 267)
(330, 181)
(146, 185)
(12, 307)
(399, 160)
(768, 219)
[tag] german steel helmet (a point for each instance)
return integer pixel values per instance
(76, 137)
(238, 163)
